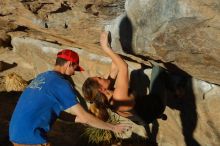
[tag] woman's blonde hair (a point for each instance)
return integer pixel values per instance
(99, 101)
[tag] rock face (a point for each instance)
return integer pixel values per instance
(192, 109)
(179, 33)
(64, 22)
(182, 35)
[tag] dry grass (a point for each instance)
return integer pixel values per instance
(2, 83)
(14, 82)
(97, 136)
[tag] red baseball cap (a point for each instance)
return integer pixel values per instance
(70, 55)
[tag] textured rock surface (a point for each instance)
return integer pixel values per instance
(62, 22)
(191, 112)
(180, 35)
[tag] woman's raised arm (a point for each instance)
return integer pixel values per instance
(122, 81)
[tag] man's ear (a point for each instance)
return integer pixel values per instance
(70, 63)
(67, 64)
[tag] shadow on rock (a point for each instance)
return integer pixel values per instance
(8, 101)
(4, 65)
(150, 106)
(183, 99)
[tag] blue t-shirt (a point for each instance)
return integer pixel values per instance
(39, 106)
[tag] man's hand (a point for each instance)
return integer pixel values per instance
(121, 128)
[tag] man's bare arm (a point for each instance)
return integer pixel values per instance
(84, 117)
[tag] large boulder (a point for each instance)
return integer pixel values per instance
(178, 33)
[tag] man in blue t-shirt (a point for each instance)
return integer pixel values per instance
(45, 98)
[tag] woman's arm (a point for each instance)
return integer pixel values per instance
(122, 81)
(84, 117)
(114, 71)
(112, 76)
